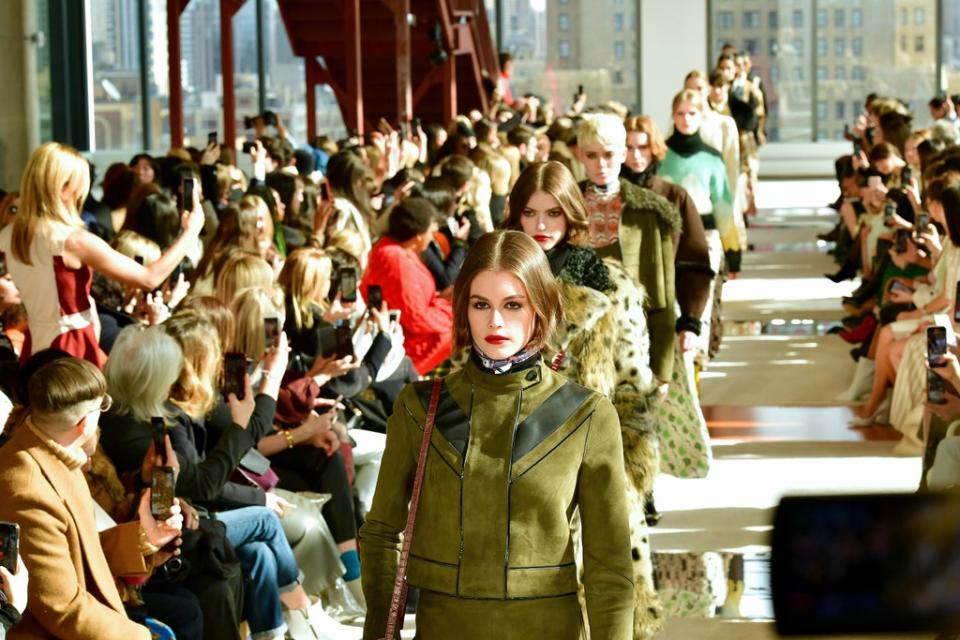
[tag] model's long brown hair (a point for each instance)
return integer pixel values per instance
(516, 253)
(555, 179)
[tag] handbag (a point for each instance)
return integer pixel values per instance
(254, 469)
(398, 601)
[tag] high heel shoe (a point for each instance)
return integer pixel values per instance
(880, 416)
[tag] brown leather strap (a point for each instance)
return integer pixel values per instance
(398, 602)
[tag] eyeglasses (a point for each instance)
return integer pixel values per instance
(106, 403)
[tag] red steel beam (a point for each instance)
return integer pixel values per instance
(175, 9)
(310, 79)
(228, 8)
(353, 110)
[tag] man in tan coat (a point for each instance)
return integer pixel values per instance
(72, 592)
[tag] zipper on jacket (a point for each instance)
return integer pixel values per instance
(463, 469)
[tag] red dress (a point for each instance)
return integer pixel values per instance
(408, 287)
(60, 311)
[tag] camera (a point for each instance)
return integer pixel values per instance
(269, 118)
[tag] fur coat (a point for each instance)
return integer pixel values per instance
(606, 346)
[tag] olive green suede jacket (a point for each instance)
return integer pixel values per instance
(512, 456)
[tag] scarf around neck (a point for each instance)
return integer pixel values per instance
(687, 146)
(517, 362)
(640, 178)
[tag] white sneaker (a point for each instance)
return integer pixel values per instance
(315, 624)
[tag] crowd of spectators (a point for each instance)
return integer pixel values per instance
(228, 345)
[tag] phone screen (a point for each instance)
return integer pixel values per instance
(956, 304)
(159, 430)
(324, 191)
(906, 174)
(3, 264)
(394, 316)
(234, 371)
(936, 390)
(900, 243)
(212, 138)
(866, 563)
(888, 211)
(348, 285)
(9, 545)
(936, 346)
(375, 296)
(344, 341)
(856, 147)
(248, 147)
(923, 221)
(271, 333)
(186, 194)
(161, 492)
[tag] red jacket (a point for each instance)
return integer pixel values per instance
(408, 287)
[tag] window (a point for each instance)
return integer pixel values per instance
(840, 73)
(903, 44)
(855, 108)
(618, 77)
(857, 73)
(821, 47)
(798, 18)
(821, 73)
(772, 47)
(856, 46)
(839, 18)
(840, 110)
(919, 44)
(775, 74)
(619, 51)
(904, 16)
(821, 17)
(856, 17)
(618, 22)
(563, 22)
(799, 74)
(751, 19)
(725, 20)
(751, 45)
(822, 109)
(563, 1)
(798, 47)
(116, 77)
(773, 19)
(839, 47)
(919, 16)
(564, 48)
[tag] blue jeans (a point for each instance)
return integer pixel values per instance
(268, 565)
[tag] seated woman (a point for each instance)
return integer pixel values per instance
(407, 285)
(142, 386)
(607, 348)
(516, 450)
(306, 457)
(241, 269)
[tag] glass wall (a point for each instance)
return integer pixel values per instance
(820, 58)
(115, 43)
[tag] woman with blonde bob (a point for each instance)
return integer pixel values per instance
(603, 342)
(516, 450)
(240, 270)
(51, 256)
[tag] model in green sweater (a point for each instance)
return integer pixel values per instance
(517, 449)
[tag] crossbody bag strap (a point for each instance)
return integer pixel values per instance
(398, 601)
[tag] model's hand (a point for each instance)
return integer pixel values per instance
(15, 585)
(687, 341)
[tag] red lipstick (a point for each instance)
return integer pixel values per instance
(495, 339)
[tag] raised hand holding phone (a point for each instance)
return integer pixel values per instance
(164, 530)
(242, 408)
(14, 585)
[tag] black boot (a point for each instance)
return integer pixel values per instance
(847, 271)
(650, 511)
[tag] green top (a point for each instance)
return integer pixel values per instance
(512, 457)
(704, 176)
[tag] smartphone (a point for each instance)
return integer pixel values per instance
(3, 264)
(857, 146)
(416, 124)
(249, 146)
(212, 139)
(579, 89)
(889, 210)
(846, 131)
(322, 410)
(327, 340)
(900, 240)
(395, 315)
(859, 564)
(348, 284)
(271, 333)
(956, 304)
(161, 492)
(344, 338)
(896, 285)
(159, 430)
(921, 224)
(9, 545)
(906, 175)
(324, 191)
(936, 346)
(375, 296)
(186, 194)
(234, 370)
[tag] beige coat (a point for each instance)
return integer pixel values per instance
(72, 593)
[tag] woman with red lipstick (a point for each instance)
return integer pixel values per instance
(517, 449)
(604, 343)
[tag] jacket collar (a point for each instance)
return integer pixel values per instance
(505, 382)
